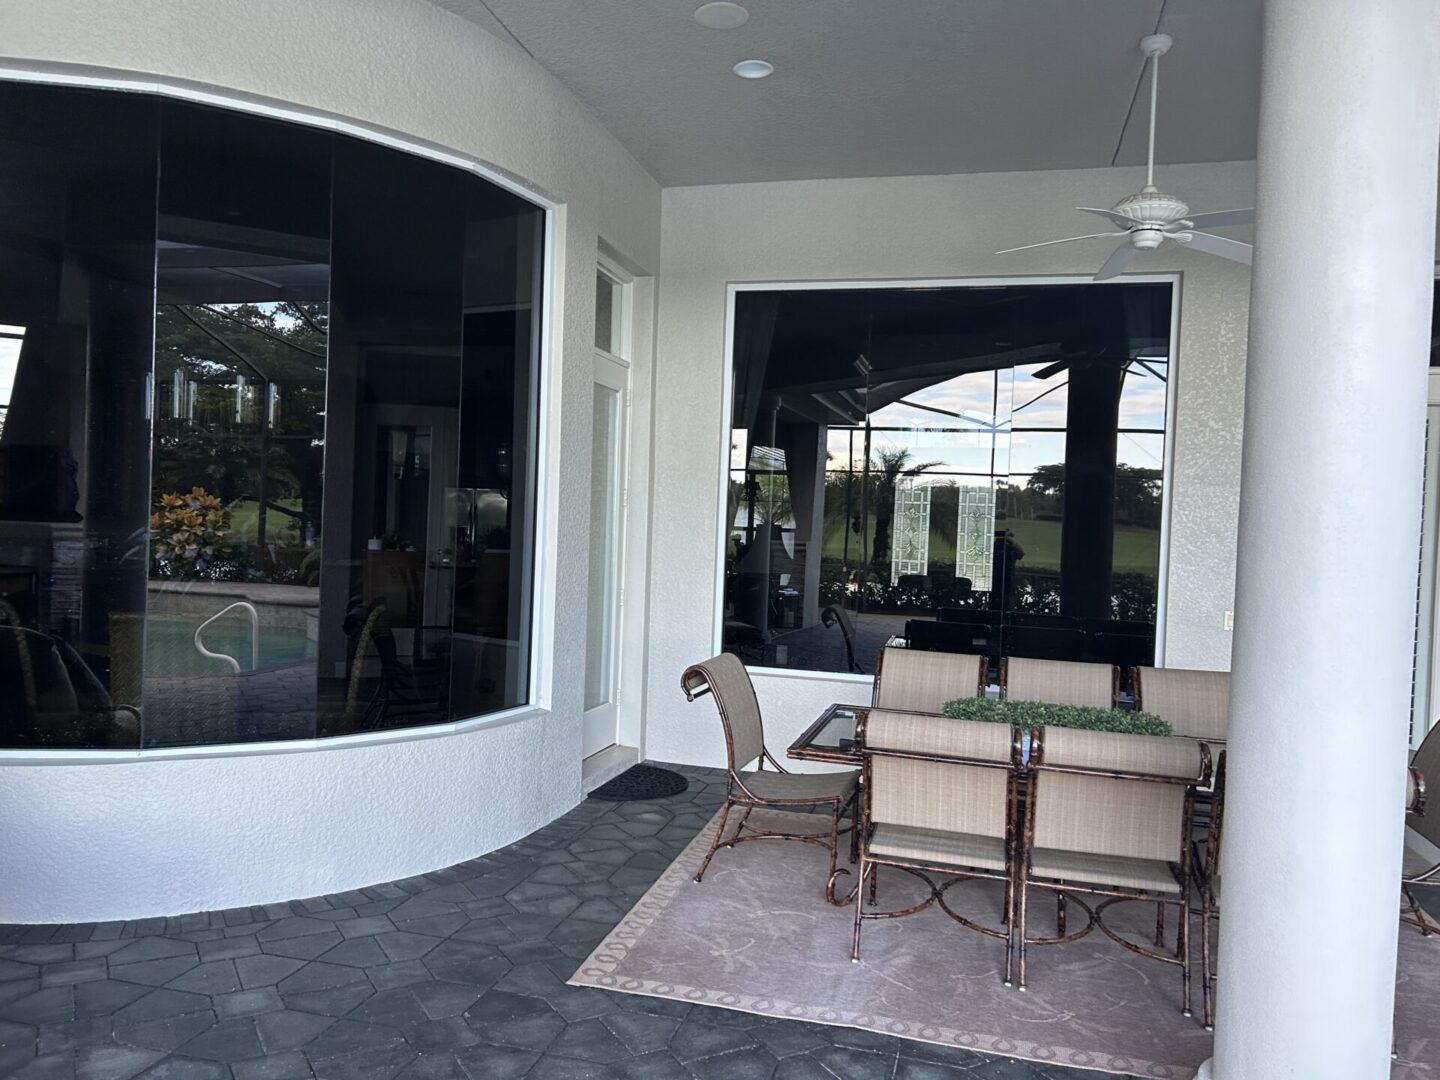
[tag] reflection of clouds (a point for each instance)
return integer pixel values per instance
(1142, 403)
(1141, 451)
(955, 446)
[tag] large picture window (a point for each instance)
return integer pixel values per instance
(267, 428)
(971, 469)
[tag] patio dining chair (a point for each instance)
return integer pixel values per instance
(939, 798)
(1109, 815)
(724, 677)
(1196, 704)
(1059, 682)
(913, 680)
(1421, 868)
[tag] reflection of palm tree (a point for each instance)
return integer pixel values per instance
(888, 469)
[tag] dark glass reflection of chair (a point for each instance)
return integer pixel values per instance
(950, 637)
(833, 615)
(1124, 650)
(405, 693)
(1045, 642)
(49, 697)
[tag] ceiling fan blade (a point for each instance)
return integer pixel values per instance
(1218, 245)
(1218, 218)
(1067, 240)
(1119, 259)
(1126, 223)
(1050, 370)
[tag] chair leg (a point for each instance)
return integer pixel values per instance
(1418, 913)
(834, 838)
(855, 828)
(1018, 929)
(1059, 914)
(1207, 980)
(715, 843)
(859, 901)
(1159, 923)
(1184, 947)
(1009, 924)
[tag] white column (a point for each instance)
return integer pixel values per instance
(1329, 521)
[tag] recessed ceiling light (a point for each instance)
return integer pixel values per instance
(754, 69)
(721, 15)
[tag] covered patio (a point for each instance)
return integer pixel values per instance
(401, 399)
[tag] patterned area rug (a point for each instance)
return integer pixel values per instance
(758, 937)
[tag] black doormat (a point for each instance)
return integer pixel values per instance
(641, 782)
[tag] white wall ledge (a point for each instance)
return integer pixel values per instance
(58, 756)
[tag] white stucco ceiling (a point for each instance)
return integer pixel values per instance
(896, 87)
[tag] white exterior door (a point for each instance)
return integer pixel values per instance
(610, 401)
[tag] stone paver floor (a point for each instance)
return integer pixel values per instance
(454, 975)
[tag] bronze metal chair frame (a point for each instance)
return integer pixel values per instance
(1115, 894)
(1207, 871)
(1426, 879)
(737, 794)
(870, 863)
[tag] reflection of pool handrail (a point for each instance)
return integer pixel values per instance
(254, 636)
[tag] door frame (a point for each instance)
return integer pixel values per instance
(601, 724)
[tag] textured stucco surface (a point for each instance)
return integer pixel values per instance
(914, 227)
(87, 842)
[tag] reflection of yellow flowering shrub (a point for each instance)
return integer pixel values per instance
(188, 529)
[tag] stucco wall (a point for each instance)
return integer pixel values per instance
(161, 836)
(916, 227)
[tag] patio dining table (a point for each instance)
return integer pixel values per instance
(831, 738)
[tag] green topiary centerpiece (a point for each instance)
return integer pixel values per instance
(1029, 714)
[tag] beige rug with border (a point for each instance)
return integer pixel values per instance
(758, 937)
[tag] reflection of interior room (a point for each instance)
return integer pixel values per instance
(305, 510)
(966, 469)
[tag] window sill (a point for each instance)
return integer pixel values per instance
(797, 673)
(292, 746)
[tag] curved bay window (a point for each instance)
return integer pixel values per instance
(969, 469)
(267, 426)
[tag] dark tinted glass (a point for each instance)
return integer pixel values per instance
(236, 490)
(966, 469)
(491, 511)
(77, 270)
(1435, 328)
(306, 505)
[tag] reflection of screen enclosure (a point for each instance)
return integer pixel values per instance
(267, 415)
(973, 469)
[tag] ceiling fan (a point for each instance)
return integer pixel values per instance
(1150, 217)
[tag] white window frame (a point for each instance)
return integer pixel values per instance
(727, 398)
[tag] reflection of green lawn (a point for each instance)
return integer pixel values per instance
(281, 528)
(1135, 549)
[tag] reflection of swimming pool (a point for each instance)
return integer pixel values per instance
(170, 645)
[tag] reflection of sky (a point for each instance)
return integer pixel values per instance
(1017, 397)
